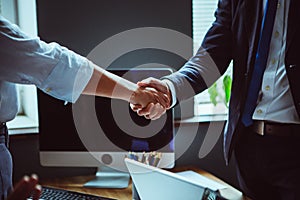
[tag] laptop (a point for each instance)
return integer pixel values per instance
(155, 183)
(159, 184)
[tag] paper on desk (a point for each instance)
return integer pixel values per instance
(225, 190)
(202, 180)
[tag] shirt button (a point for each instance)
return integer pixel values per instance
(259, 111)
(278, 5)
(273, 61)
(276, 34)
(48, 89)
(267, 87)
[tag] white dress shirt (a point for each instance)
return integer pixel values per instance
(54, 69)
(275, 101)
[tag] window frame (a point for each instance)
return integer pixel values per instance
(23, 13)
(203, 108)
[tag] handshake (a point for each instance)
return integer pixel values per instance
(151, 99)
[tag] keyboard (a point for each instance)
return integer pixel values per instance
(49, 193)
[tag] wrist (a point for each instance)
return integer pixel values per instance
(169, 86)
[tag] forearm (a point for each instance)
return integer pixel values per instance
(106, 84)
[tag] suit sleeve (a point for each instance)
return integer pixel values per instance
(212, 58)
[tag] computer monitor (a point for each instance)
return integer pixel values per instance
(98, 131)
(82, 26)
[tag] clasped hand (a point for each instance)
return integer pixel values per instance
(154, 102)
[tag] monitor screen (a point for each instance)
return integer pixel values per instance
(113, 34)
(99, 130)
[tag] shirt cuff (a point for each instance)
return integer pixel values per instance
(69, 77)
(172, 91)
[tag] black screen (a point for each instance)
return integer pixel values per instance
(81, 25)
(59, 129)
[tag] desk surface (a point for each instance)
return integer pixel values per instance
(76, 184)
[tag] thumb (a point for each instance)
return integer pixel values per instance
(154, 83)
(146, 82)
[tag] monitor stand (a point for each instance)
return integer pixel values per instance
(107, 177)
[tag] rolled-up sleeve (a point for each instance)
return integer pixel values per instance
(54, 69)
(68, 78)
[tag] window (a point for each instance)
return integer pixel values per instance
(7, 9)
(203, 16)
(23, 13)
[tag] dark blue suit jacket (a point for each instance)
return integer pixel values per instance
(234, 36)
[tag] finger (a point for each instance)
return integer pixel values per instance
(142, 113)
(156, 112)
(158, 96)
(146, 110)
(160, 111)
(29, 188)
(152, 112)
(153, 82)
(33, 181)
(145, 82)
(135, 107)
(21, 183)
(163, 100)
(37, 192)
(20, 189)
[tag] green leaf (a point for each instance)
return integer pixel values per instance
(213, 93)
(227, 81)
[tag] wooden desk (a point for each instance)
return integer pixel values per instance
(76, 184)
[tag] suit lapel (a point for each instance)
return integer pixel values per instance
(253, 13)
(293, 21)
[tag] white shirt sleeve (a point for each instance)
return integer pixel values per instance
(54, 69)
(172, 91)
(68, 78)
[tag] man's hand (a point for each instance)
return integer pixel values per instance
(146, 98)
(25, 188)
(154, 110)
